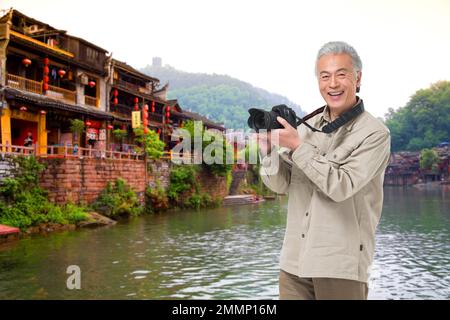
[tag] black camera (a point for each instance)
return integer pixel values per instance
(267, 120)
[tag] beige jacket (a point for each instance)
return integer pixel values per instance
(335, 187)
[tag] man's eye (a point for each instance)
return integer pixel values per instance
(324, 77)
(341, 75)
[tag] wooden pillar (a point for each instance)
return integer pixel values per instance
(42, 134)
(6, 128)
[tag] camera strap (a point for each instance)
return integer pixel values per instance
(336, 124)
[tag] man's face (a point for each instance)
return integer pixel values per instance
(338, 81)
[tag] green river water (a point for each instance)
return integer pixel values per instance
(224, 253)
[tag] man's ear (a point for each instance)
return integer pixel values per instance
(358, 79)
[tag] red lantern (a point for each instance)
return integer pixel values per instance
(116, 101)
(159, 131)
(115, 93)
(136, 100)
(168, 109)
(110, 127)
(42, 112)
(145, 107)
(153, 106)
(61, 72)
(46, 61)
(46, 70)
(46, 79)
(88, 123)
(45, 86)
(167, 115)
(23, 109)
(26, 62)
(91, 84)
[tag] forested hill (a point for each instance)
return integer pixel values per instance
(425, 120)
(219, 97)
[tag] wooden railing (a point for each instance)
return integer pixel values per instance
(69, 151)
(17, 150)
(91, 101)
(184, 156)
(41, 44)
(28, 85)
(61, 94)
(20, 83)
(132, 86)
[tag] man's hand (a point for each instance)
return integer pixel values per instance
(287, 137)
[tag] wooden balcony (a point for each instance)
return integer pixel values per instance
(91, 101)
(132, 86)
(24, 84)
(33, 86)
(61, 94)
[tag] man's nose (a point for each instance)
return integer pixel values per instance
(333, 82)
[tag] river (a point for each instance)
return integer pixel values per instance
(224, 253)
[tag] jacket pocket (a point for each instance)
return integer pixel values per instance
(340, 155)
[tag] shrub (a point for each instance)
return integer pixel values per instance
(156, 199)
(75, 214)
(149, 143)
(27, 204)
(201, 200)
(118, 200)
(222, 146)
(182, 178)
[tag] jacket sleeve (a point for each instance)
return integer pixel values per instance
(275, 172)
(342, 181)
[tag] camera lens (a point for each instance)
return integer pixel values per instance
(256, 120)
(260, 122)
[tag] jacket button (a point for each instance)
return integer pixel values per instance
(334, 156)
(303, 235)
(307, 213)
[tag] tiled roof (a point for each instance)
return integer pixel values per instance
(44, 101)
(132, 70)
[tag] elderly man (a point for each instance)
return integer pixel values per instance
(335, 185)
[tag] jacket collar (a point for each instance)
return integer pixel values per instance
(325, 116)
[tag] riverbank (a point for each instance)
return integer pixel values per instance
(94, 220)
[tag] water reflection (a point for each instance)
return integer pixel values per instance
(224, 253)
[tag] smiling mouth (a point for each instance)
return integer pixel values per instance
(335, 94)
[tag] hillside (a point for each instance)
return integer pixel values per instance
(219, 97)
(425, 120)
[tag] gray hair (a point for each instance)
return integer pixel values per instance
(339, 47)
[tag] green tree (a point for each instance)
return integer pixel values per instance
(220, 145)
(429, 159)
(424, 121)
(149, 142)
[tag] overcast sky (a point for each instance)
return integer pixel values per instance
(404, 45)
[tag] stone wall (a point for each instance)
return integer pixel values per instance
(214, 186)
(82, 180)
(158, 170)
(7, 167)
